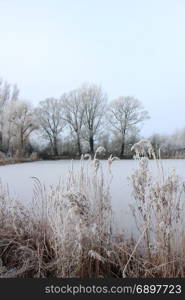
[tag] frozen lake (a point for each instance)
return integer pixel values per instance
(18, 178)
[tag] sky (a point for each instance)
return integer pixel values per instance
(129, 47)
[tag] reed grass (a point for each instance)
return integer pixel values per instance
(68, 229)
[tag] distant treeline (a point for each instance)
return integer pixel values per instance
(77, 122)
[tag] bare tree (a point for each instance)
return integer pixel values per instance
(50, 115)
(124, 114)
(94, 105)
(172, 145)
(7, 94)
(20, 124)
(73, 114)
(14, 93)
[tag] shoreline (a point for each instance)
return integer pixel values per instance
(14, 161)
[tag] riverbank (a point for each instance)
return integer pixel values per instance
(11, 161)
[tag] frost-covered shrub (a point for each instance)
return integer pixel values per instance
(159, 209)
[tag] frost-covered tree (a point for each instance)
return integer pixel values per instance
(8, 93)
(124, 115)
(20, 123)
(74, 114)
(50, 114)
(169, 145)
(94, 106)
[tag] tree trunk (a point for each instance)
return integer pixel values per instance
(79, 145)
(122, 149)
(55, 150)
(1, 140)
(122, 152)
(91, 144)
(21, 146)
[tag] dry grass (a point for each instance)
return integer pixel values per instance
(16, 160)
(67, 229)
(159, 207)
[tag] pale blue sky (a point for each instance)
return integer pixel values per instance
(133, 47)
